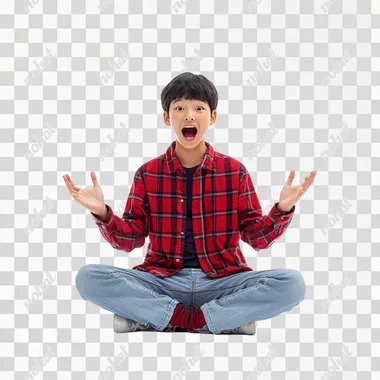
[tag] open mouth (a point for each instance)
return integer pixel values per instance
(189, 133)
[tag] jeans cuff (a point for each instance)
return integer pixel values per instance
(210, 322)
(167, 315)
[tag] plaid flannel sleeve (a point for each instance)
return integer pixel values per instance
(256, 229)
(130, 231)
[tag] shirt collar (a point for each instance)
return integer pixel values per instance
(174, 163)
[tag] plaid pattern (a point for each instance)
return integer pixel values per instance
(225, 209)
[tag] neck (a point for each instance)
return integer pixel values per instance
(190, 157)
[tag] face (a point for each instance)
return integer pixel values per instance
(194, 113)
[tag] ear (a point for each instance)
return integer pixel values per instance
(166, 118)
(213, 117)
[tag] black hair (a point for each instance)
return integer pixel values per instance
(189, 86)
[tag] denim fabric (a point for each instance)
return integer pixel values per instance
(227, 302)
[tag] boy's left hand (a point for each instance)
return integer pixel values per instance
(291, 194)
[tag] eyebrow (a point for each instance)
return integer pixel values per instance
(182, 100)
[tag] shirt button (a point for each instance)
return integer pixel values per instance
(181, 232)
(181, 200)
(177, 260)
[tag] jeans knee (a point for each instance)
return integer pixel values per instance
(296, 285)
(82, 279)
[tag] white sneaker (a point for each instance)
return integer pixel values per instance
(171, 328)
(246, 329)
(123, 325)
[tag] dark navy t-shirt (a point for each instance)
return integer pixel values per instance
(190, 258)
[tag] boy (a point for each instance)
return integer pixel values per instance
(195, 204)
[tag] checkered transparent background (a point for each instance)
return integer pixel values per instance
(288, 111)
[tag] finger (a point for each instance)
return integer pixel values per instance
(94, 180)
(290, 178)
(67, 183)
(70, 187)
(76, 188)
(299, 196)
(301, 191)
(306, 183)
(309, 179)
(312, 175)
(73, 192)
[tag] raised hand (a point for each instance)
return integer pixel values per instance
(291, 194)
(92, 199)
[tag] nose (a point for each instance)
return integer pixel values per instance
(189, 117)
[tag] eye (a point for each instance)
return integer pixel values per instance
(201, 108)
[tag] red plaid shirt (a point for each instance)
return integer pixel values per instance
(225, 209)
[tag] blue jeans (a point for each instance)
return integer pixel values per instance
(226, 302)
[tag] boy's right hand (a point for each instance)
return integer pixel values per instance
(92, 199)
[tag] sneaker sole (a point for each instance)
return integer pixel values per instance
(120, 325)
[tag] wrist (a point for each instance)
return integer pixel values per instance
(282, 208)
(103, 212)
